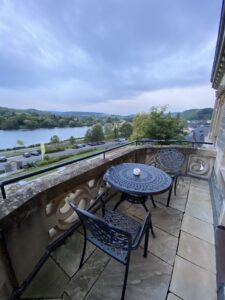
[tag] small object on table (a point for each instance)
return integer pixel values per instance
(136, 171)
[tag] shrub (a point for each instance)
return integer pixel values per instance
(53, 150)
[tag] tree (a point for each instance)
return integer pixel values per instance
(54, 139)
(95, 133)
(126, 130)
(108, 130)
(115, 133)
(20, 143)
(157, 125)
(72, 140)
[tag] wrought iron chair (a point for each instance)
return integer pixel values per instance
(170, 160)
(115, 234)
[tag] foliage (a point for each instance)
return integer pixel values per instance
(108, 130)
(126, 130)
(95, 133)
(50, 160)
(115, 133)
(72, 140)
(20, 143)
(29, 119)
(54, 139)
(55, 149)
(197, 114)
(157, 125)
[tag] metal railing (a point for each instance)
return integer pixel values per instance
(137, 142)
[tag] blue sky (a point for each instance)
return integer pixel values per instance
(114, 56)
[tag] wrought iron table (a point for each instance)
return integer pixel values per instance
(137, 188)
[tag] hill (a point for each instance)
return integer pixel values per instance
(57, 113)
(197, 114)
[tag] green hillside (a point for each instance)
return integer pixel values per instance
(197, 114)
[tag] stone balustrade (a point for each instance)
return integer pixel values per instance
(36, 213)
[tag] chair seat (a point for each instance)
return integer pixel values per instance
(124, 222)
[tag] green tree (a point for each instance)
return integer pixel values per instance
(108, 130)
(126, 130)
(54, 139)
(115, 133)
(20, 143)
(157, 125)
(95, 133)
(72, 140)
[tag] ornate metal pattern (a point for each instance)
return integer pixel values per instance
(169, 160)
(119, 220)
(150, 181)
(107, 238)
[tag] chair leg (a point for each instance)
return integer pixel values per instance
(125, 278)
(151, 227)
(117, 204)
(175, 185)
(169, 196)
(146, 242)
(153, 202)
(144, 205)
(83, 253)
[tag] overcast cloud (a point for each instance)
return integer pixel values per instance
(114, 56)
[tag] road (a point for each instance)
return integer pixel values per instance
(32, 159)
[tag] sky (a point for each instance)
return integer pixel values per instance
(112, 56)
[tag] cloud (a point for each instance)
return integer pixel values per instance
(88, 54)
(177, 100)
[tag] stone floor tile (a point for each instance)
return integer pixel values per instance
(197, 251)
(171, 296)
(83, 280)
(199, 183)
(191, 282)
(167, 219)
(148, 279)
(200, 209)
(68, 255)
(178, 201)
(196, 192)
(164, 245)
(198, 228)
(49, 282)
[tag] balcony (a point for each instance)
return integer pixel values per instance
(41, 235)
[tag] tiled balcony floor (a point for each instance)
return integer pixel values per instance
(180, 262)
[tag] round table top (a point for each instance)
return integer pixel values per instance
(150, 181)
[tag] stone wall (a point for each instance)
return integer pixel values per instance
(37, 213)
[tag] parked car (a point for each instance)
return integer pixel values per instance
(3, 159)
(92, 144)
(121, 141)
(27, 154)
(81, 145)
(35, 153)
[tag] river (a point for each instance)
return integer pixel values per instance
(8, 138)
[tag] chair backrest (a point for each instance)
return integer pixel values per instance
(110, 239)
(169, 160)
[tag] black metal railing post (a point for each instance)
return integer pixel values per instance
(3, 191)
